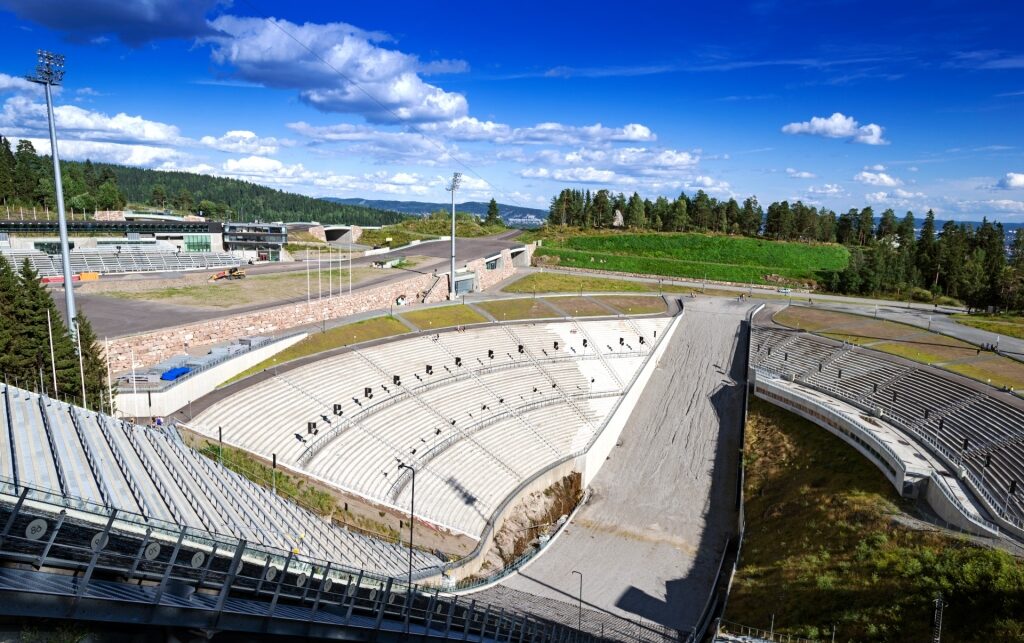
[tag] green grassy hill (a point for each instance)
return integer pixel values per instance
(825, 544)
(716, 257)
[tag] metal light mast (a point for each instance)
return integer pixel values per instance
(453, 187)
(50, 72)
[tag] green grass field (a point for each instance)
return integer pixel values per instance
(526, 308)
(696, 256)
(443, 316)
(1006, 325)
(317, 342)
(821, 547)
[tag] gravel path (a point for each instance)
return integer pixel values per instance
(649, 541)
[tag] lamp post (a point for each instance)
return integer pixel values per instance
(49, 72)
(412, 514)
(579, 623)
(453, 187)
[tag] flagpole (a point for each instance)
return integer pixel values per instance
(110, 387)
(81, 370)
(53, 360)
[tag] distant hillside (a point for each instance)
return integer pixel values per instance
(513, 214)
(246, 200)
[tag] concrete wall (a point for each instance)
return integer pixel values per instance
(165, 402)
(590, 462)
(943, 506)
(156, 346)
(318, 232)
(838, 425)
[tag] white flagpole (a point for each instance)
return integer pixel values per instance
(319, 282)
(81, 370)
(110, 388)
(330, 273)
(53, 360)
(350, 267)
(307, 277)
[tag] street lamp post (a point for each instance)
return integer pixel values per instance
(453, 187)
(412, 514)
(579, 622)
(49, 72)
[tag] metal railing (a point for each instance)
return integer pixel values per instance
(158, 564)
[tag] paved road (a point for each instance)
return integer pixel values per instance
(650, 539)
(114, 317)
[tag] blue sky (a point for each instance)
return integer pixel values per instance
(843, 104)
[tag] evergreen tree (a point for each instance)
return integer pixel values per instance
(493, 217)
(634, 216)
(26, 172)
(8, 295)
(926, 252)
(158, 197)
(886, 224)
(94, 367)
(7, 165)
(30, 352)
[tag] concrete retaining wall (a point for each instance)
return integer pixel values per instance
(165, 402)
(590, 462)
(838, 425)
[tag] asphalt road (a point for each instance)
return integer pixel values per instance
(648, 543)
(115, 317)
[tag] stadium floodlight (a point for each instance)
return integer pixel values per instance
(453, 187)
(50, 72)
(412, 515)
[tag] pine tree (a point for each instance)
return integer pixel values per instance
(493, 217)
(7, 165)
(93, 366)
(8, 294)
(31, 347)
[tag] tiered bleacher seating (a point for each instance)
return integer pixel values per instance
(935, 407)
(129, 259)
(476, 429)
(91, 457)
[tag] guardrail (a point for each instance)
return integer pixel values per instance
(151, 559)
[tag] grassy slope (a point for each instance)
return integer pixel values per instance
(821, 547)
(442, 316)
(722, 258)
(1007, 325)
(360, 331)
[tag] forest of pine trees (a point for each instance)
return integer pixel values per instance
(28, 315)
(960, 260)
(26, 183)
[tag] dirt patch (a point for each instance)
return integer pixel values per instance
(533, 516)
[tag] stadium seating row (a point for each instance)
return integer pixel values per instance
(116, 262)
(475, 412)
(981, 432)
(49, 445)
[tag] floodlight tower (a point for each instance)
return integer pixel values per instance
(453, 187)
(50, 72)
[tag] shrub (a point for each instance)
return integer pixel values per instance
(921, 294)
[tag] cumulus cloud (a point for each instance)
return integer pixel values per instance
(119, 153)
(241, 142)
(560, 134)
(134, 23)
(877, 178)
(894, 197)
(797, 174)
(18, 84)
(348, 72)
(829, 189)
(839, 125)
(1012, 180)
(21, 116)
(878, 167)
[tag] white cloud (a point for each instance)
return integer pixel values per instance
(797, 174)
(839, 125)
(560, 134)
(877, 178)
(829, 189)
(106, 152)
(18, 84)
(878, 167)
(23, 117)
(360, 76)
(241, 142)
(1004, 205)
(897, 197)
(469, 128)
(384, 145)
(1012, 180)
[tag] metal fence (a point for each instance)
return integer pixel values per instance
(83, 554)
